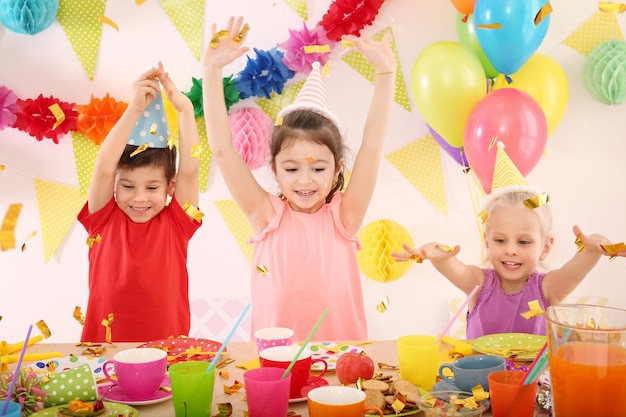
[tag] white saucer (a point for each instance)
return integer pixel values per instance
(117, 394)
(312, 382)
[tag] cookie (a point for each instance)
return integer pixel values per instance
(375, 398)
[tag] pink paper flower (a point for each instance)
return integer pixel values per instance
(8, 107)
(296, 58)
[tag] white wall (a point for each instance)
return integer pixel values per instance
(583, 167)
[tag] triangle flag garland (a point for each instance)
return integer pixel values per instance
(238, 224)
(598, 28)
(188, 17)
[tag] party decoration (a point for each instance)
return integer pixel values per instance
(85, 151)
(58, 205)
(447, 80)
(251, 129)
(109, 22)
(8, 107)
(238, 224)
(207, 154)
(544, 80)
(300, 7)
(357, 61)
(96, 119)
(379, 239)
(277, 102)
(598, 28)
(36, 118)
(420, 163)
(82, 26)
(296, 56)
(464, 7)
(27, 390)
(7, 230)
(466, 33)
(605, 72)
(188, 17)
(458, 154)
(263, 75)
(28, 17)
(514, 118)
(510, 31)
(152, 128)
(348, 17)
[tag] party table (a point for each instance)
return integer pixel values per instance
(240, 352)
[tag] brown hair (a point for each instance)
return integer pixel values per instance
(156, 157)
(311, 126)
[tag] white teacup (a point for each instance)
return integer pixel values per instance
(139, 371)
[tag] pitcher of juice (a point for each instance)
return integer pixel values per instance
(587, 356)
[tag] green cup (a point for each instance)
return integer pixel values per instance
(76, 383)
(192, 388)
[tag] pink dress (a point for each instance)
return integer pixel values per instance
(498, 312)
(311, 265)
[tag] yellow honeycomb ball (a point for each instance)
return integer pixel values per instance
(378, 240)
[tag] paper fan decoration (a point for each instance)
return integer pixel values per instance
(251, 129)
(28, 16)
(378, 240)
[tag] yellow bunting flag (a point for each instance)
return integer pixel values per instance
(420, 163)
(276, 102)
(598, 28)
(58, 206)
(358, 62)
(206, 156)
(80, 20)
(7, 232)
(85, 152)
(300, 7)
(188, 17)
(238, 224)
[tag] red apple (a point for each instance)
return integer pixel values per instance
(351, 366)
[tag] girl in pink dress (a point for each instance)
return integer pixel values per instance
(305, 242)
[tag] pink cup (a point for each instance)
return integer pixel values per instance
(266, 393)
(139, 371)
(281, 357)
(273, 336)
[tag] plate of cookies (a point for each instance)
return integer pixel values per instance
(397, 397)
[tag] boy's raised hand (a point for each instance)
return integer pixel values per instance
(379, 54)
(145, 89)
(225, 45)
(179, 100)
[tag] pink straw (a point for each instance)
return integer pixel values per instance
(456, 315)
(17, 371)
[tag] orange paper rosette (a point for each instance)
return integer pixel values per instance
(96, 119)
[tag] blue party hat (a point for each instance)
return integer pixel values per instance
(151, 128)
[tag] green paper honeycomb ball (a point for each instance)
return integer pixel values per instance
(378, 240)
(605, 72)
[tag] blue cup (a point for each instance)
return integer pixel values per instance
(13, 410)
(470, 371)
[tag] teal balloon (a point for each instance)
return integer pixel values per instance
(466, 33)
(605, 72)
(28, 17)
(510, 45)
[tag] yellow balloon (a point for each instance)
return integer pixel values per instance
(544, 80)
(378, 240)
(447, 80)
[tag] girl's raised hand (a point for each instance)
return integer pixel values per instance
(427, 251)
(379, 54)
(593, 242)
(225, 45)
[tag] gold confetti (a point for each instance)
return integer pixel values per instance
(262, 269)
(535, 310)
(579, 243)
(446, 248)
(192, 212)
(58, 114)
(78, 315)
(224, 374)
(489, 26)
(383, 305)
(242, 33)
(609, 7)
(2, 167)
(316, 49)
(30, 236)
(109, 22)
(139, 2)
(398, 405)
(107, 324)
(279, 121)
(7, 231)
(153, 129)
(196, 151)
(216, 39)
(418, 259)
(326, 69)
(492, 143)
(233, 389)
(483, 216)
(309, 159)
(347, 44)
(537, 201)
(140, 148)
(93, 239)
(44, 329)
(479, 393)
(543, 13)
(51, 366)
(224, 410)
(171, 143)
(613, 249)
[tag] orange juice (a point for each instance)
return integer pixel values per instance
(588, 379)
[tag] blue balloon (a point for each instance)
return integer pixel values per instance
(28, 17)
(511, 44)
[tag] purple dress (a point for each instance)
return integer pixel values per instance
(497, 312)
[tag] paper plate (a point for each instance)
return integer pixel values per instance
(183, 349)
(330, 352)
(118, 410)
(68, 362)
(526, 346)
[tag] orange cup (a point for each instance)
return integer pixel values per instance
(338, 401)
(509, 397)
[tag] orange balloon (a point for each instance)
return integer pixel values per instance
(464, 6)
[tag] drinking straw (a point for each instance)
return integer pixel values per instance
(537, 366)
(17, 371)
(232, 331)
(306, 342)
(456, 315)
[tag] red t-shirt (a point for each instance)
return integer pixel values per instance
(138, 272)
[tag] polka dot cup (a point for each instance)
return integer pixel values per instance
(73, 384)
(273, 336)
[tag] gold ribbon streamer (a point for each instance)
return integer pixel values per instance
(193, 212)
(216, 39)
(316, 49)
(383, 305)
(489, 26)
(109, 22)
(30, 236)
(613, 249)
(579, 244)
(78, 315)
(608, 7)
(262, 269)
(171, 143)
(535, 310)
(58, 114)
(44, 329)
(107, 324)
(140, 149)
(196, 151)
(93, 239)
(543, 13)
(242, 33)
(7, 232)
(537, 201)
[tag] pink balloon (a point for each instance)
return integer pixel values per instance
(514, 118)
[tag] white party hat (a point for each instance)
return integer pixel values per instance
(151, 128)
(310, 97)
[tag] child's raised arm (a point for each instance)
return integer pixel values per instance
(359, 191)
(225, 47)
(102, 185)
(187, 182)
